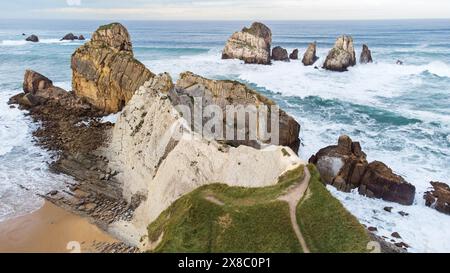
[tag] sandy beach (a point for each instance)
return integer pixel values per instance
(50, 229)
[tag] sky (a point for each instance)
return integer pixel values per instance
(225, 9)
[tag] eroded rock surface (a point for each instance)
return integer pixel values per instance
(294, 55)
(309, 58)
(252, 45)
(345, 166)
(366, 55)
(342, 55)
(280, 54)
(104, 70)
(439, 197)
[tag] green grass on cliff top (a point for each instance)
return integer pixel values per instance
(253, 220)
(326, 225)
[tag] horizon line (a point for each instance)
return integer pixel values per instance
(223, 20)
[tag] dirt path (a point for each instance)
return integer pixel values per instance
(293, 197)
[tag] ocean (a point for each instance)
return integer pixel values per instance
(399, 113)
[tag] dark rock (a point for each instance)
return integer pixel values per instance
(439, 197)
(52, 193)
(81, 38)
(402, 245)
(372, 229)
(402, 213)
(388, 209)
(366, 55)
(396, 235)
(69, 37)
(380, 182)
(309, 58)
(280, 54)
(294, 55)
(32, 38)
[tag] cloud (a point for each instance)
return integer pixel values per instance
(73, 2)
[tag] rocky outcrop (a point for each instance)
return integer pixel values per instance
(309, 58)
(294, 55)
(280, 54)
(37, 89)
(439, 197)
(252, 45)
(342, 55)
(69, 37)
(379, 181)
(366, 55)
(345, 166)
(232, 93)
(81, 38)
(104, 70)
(158, 156)
(32, 38)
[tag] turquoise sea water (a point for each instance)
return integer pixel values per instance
(400, 114)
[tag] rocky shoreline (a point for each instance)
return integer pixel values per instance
(123, 172)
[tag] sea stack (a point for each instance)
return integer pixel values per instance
(69, 37)
(294, 55)
(32, 38)
(342, 55)
(309, 58)
(366, 55)
(252, 45)
(345, 167)
(439, 197)
(280, 54)
(104, 70)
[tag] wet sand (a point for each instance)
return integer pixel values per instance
(50, 229)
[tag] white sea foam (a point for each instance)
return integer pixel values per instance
(41, 41)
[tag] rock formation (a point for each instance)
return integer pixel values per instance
(81, 38)
(366, 55)
(69, 37)
(439, 197)
(252, 45)
(342, 55)
(32, 38)
(104, 70)
(37, 89)
(158, 156)
(294, 55)
(232, 93)
(309, 58)
(345, 166)
(280, 54)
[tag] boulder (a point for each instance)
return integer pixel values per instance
(232, 93)
(280, 54)
(439, 197)
(69, 37)
(252, 45)
(342, 55)
(32, 38)
(33, 82)
(104, 70)
(309, 58)
(379, 181)
(294, 55)
(345, 167)
(366, 55)
(81, 38)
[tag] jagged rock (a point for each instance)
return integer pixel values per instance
(81, 38)
(366, 55)
(105, 71)
(32, 38)
(229, 93)
(345, 166)
(439, 197)
(379, 181)
(280, 54)
(294, 55)
(342, 55)
(69, 37)
(252, 45)
(309, 58)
